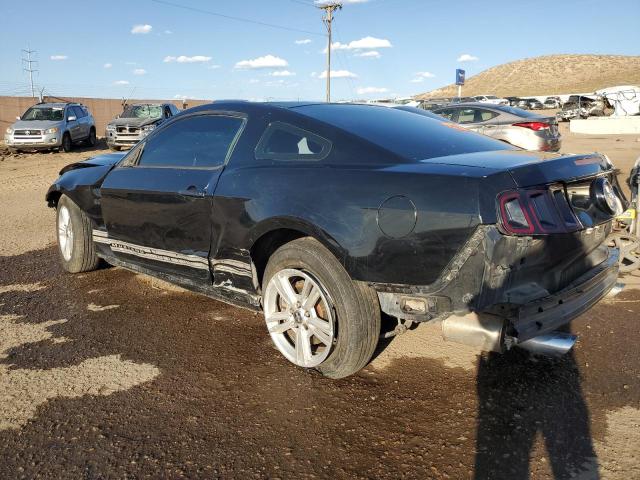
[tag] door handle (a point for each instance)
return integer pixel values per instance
(192, 191)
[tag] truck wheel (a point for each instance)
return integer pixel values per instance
(75, 239)
(92, 137)
(316, 315)
(66, 142)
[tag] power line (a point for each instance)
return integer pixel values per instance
(237, 19)
(29, 68)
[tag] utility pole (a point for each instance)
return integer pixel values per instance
(329, 8)
(29, 68)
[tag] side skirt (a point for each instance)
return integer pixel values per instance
(236, 297)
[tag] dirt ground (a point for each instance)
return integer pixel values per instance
(105, 375)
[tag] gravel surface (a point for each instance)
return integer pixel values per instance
(106, 375)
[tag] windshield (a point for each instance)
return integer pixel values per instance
(142, 111)
(44, 113)
(415, 137)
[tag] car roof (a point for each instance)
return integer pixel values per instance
(468, 104)
(54, 105)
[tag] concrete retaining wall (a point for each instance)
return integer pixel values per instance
(606, 126)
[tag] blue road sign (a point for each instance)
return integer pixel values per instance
(459, 76)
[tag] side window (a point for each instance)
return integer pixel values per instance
(78, 112)
(174, 109)
(466, 115)
(201, 141)
(449, 113)
(485, 115)
(282, 141)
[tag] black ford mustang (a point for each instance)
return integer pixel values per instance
(325, 216)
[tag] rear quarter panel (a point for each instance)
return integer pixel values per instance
(340, 207)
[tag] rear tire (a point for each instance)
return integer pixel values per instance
(67, 145)
(354, 310)
(75, 238)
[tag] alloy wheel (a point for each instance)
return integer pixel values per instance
(299, 317)
(65, 233)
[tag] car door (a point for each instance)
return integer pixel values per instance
(157, 203)
(486, 121)
(83, 124)
(73, 124)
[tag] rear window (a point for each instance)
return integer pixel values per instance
(406, 134)
(282, 141)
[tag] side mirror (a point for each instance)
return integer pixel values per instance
(71, 118)
(17, 118)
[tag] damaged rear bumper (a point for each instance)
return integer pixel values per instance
(548, 313)
(500, 291)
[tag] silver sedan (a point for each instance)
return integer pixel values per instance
(518, 127)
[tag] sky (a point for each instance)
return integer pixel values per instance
(275, 50)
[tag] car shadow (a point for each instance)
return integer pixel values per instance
(521, 397)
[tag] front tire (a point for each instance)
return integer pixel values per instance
(75, 240)
(316, 315)
(67, 145)
(91, 141)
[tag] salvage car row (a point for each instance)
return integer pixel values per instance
(60, 126)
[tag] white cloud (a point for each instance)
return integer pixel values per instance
(180, 97)
(465, 57)
(282, 73)
(304, 41)
(268, 61)
(365, 43)
(121, 82)
(58, 57)
(185, 59)
(213, 67)
(130, 63)
(338, 74)
(369, 54)
(107, 65)
(141, 29)
(168, 32)
(139, 71)
(421, 76)
(369, 90)
(254, 80)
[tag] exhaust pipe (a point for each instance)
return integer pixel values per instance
(475, 329)
(554, 344)
(486, 332)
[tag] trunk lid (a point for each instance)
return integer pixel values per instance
(530, 169)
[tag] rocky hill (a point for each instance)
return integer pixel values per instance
(551, 74)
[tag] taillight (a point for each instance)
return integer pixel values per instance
(515, 218)
(533, 125)
(536, 212)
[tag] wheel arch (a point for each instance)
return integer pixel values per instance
(274, 233)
